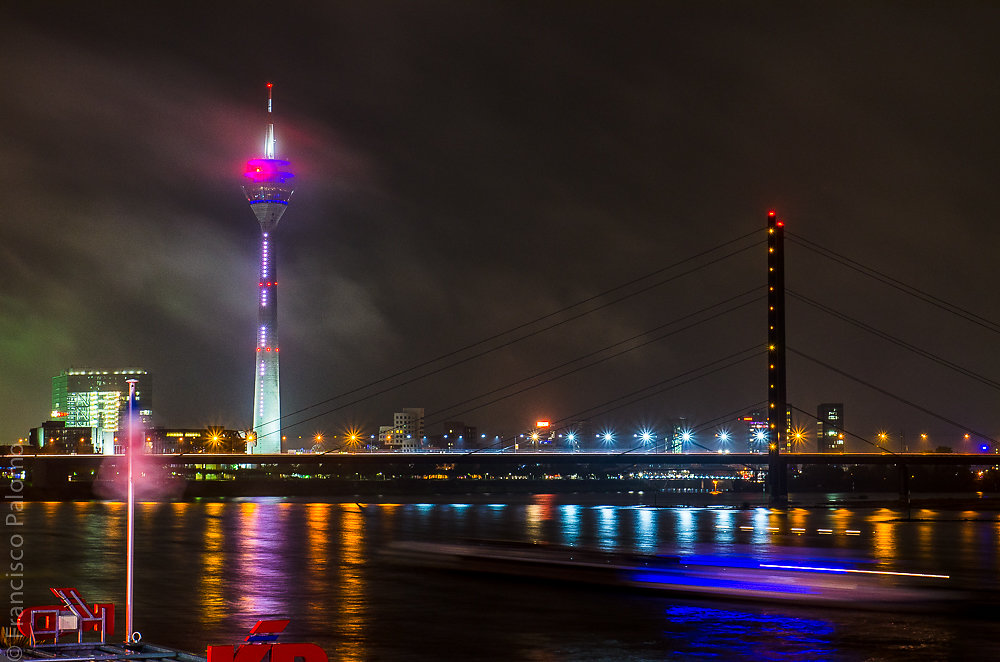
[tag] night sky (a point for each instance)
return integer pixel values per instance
(465, 168)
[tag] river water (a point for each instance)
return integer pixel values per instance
(207, 570)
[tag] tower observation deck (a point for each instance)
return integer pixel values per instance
(268, 190)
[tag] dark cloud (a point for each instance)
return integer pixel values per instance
(464, 168)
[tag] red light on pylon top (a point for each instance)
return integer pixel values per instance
(771, 213)
(269, 85)
(780, 224)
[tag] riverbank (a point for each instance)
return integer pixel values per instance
(592, 492)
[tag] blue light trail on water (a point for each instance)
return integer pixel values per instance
(746, 635)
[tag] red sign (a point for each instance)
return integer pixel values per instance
(259, 646)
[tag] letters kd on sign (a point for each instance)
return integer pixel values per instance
(259, 644)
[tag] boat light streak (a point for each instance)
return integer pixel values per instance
(676, 579)
(865, 572)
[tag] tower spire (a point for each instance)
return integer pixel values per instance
(269, 137)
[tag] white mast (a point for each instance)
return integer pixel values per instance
(130, 528)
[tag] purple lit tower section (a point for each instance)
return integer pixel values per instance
(268, 190)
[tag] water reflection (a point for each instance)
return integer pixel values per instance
(211, 585)
(797, 522)
(724, 525)
(319, 564)
(260, 563)
(761, 523)
(607, 527)
(646, 537)
(317, 549)
(685, 535)
(351, 588)
(538, 513)
(97, 548)
(569, 524)
(884, 536)
(746, 635)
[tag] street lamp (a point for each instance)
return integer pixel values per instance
(645, 435)
(686, 438)
(608, 437)
(722, 436)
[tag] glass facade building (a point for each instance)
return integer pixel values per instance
(99, 398)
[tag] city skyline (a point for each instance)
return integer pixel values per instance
(455, 183)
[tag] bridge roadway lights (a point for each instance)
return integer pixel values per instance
(53, 471)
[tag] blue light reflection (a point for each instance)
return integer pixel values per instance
(746, 635)
(570, 524)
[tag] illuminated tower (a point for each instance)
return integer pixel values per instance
(268, 190)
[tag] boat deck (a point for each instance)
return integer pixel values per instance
(96, 651)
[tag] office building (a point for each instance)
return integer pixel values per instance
(830, 428)
(98, 400)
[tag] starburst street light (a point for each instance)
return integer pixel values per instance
(646, 437)
(798, 437)
(761, 438)
(607, 436)
(353, 436)
(883, 437)
(214, 437)
(571, 440)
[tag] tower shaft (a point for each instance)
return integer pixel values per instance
(266, 392)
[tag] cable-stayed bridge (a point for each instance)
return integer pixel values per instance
(721, 310)
(705, 441)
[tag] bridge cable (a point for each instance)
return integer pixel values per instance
(892, 395)
(596, 353)
(897, 284)
(638, 395)
(634, 394)
(533, 322)
(442, 368)
(896, 341)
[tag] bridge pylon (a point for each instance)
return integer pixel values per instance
(777, 403)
